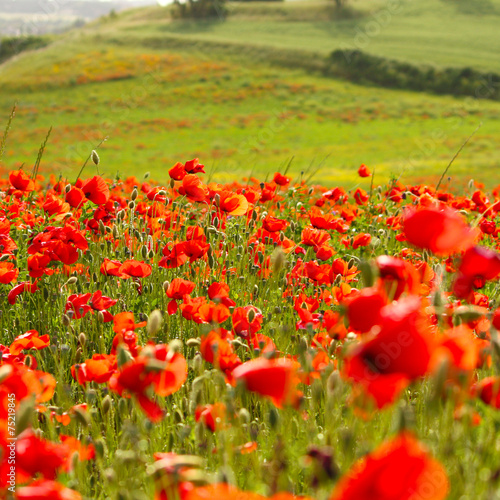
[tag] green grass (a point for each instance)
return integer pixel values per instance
(161, 94)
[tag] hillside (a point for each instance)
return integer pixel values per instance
(244, 96)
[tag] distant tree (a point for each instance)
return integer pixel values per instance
(201, 9)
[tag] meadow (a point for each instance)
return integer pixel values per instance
(227, 276)
(251, 340)
(161, 90)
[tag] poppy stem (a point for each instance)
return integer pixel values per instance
(457, 153)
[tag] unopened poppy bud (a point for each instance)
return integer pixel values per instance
(278, 259)
(123, 407)
(244, 416)
(106, 404)
(198, 363)
(144, 252)
(82, 339)
(333, 382)
(100, 316)
(193, 342)
(27, 361)
(72, 281)
(4, 257)
(172, 183)
(251, 315)
(134, 194)
(67, 188)
(131, 205)
(95, 157)
(254, 215)
(274, 418)
(216, 221)
(110, 475)
(175, 345)
(102, 229)
(154, 322)
(24, 414)
(123, 357)
(166, 284)
(217, 199)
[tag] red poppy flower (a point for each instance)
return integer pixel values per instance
(96, 190)
(446, 231)
(179, 287)
(78, 304)
(97, 369)
(488, 390)
(387, 362)
(232, 203)
(219, 292)
(177, 172)
(274, 378)
(23, 287)
(112, 268)
(219, 352)
(21, 181)
(75, 197)
(212, 416)
(8, 272)
(363, 310)
(477, 266)
(273, 224)
(46, 490)
(193, 188)
(247, 321)
(364, 171)
(29, 340)
(134, 269)
(281, 179)
(400, 469)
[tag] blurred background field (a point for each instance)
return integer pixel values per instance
(247, 93)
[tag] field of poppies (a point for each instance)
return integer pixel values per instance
(253, 340)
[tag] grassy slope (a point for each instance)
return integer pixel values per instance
(161, 106)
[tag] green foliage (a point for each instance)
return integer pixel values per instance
(361, 67)
(11, 46)
(200, 9)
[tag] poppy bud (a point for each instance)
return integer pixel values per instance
(123, 357)
(100, 316)
(24, 414)
(175, 345)
(278, 259)
(334, 382)
(67, 189)
(72, 281)
(274, 418)
(131, 205)
(123, 407)
(95, 157)
(198, 363)
(106, 404)
(27, 361)
(154, 322)
(82, 339)
(134, 194)
(244, 416)
(172, 183)
(193, 342)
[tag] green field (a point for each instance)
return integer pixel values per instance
(162, 93)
